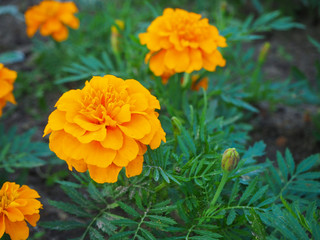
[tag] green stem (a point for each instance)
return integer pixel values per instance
(186, 80)
(223, 181)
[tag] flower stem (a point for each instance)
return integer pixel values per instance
(186, 80)
(223, 181)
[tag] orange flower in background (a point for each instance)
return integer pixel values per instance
(51, 17)
(18, 205)
(7, 78)
(182, 41)
(197, 84)
(104, 127)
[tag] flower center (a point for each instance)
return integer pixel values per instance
(6, 199)
(102, 105)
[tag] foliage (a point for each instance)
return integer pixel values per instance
(19, 151)
(261, 198)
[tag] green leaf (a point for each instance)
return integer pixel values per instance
(247, 193)
(128, 209)
(147, 234)
(69, 208)
(62, 225)
(290, 162)
(121, 235)
(232, 215)
(95, 193)
(258, 195)
(307, 163)
(258, 229)
(95, 234)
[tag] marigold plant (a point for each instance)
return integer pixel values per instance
(18, 205)
(51, 17)
(181, 41)
(104, 127)
(7, 78)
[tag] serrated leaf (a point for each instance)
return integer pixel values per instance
(307, 163)
(129, 210)
(121, 235)
(95, 234)
(258, 229)
(62, 225)
(258, 194)
(147, 234)
(247, 193)
(231, 217)
(69, 208)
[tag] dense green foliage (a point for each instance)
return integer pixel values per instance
(172, 198)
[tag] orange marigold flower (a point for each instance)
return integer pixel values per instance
(51, 17)
(197, 84)
(7, 78)
(104, 127)
(18, 205)
(183, 42)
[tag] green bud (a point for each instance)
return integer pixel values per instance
(230, 159)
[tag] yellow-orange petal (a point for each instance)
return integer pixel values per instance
(14, 214)
(137, 128)
(157, 64)
(99, 156)
(57, 120)
(32, 219)
(102, 175)
(85, 123)
(114, 138)
(2, 224)
(90, 136)
(128, 152)
(61, 34)
(134, 168)
(26, 192)
(17, 230)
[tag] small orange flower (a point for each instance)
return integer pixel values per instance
(197, 84)
(51, 17)
(104, 127)
(7, 78)
(18, 205)
(181, 41)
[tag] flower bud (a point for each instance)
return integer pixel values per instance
(115, 35)
(230, 159)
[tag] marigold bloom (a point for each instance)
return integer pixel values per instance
(18, 205)
(7, 78)
(197, 84)
(51, 17)
(104, 127)
(181, 41)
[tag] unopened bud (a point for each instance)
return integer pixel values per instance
(230, 159)
(263, 52)
(115, 35)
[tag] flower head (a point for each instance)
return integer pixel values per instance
(18, 205)
(51, 17)
(7, 78)
(104, 127)
(230, 159)
(182, 41)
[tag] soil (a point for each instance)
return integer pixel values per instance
(280, 127)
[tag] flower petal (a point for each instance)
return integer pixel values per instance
(137, 128)
(102, 175)
(134, 168)
(114, 138)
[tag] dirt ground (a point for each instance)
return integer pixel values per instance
(280, 128)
